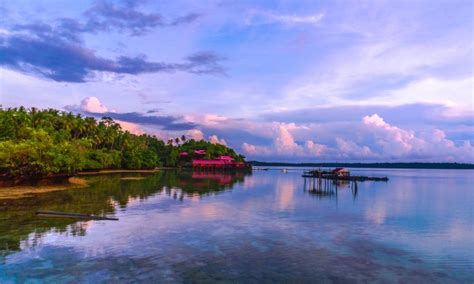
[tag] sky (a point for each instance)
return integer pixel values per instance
(295, 81)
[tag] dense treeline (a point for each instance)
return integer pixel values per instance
(408, 165)
(38, 143)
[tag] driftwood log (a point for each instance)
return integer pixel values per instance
(73, 215)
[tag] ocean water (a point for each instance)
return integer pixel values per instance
(267, 226)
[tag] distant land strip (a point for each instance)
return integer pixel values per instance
(457, 166)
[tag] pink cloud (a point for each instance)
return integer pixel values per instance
(315, 149)
(93, 104)
(215, 140)
(284, 144)
(370, 139)
(348, 148)
(249, 149)
(131, 127)
(195, 134)
(394, 141)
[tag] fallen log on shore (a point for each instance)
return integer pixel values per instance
(73, 215)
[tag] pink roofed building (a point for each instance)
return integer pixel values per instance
(341, 172)
(200, 152)
(224, 162)
(225, 158)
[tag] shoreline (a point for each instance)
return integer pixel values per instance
(29, 188)
(117, 171)
(6, 181)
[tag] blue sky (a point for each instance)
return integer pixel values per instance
(277, 80)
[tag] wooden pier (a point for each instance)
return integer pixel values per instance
(323, 187)
(324, 183)
(348, 178)
(340, 174)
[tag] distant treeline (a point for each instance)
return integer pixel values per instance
(37, 143)
(368, 165)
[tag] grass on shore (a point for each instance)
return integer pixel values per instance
(101, 172)
(22, 191)
(132, 178)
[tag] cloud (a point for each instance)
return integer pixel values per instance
(420, 112)
(393, 140)
(375, 119)
(204, 62)
(198, 135)
(208, 119)
(92, 104)
(349, 149)
(284, 145)
(131, 127)
(458, 123)
(195, 134)
(67, 30)
(349, 67)
(373, 66)
(401, 143)
(189, 18)
(315, 149)
(56, 50)
(284, 141)
(250, 149)
(367, 138)
(93, 107)
(215, 140)
(371, 139)
(452, 93)
(267, 17)
(104, 15)
(64, 61)
(343, 121)
(165, 122)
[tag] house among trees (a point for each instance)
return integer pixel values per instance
(341, 172)
(227, 159)
(221, 162)
(200, 152)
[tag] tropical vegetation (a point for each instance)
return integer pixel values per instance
(37, 143)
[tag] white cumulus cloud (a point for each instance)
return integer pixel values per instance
(93, 104)
(215, 140)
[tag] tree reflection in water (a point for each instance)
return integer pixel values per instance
(20, 226)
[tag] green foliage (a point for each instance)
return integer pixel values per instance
(38, 143)
(212, 150)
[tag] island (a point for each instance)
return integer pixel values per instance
(42, 143)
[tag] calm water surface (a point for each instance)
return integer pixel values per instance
(264, 227)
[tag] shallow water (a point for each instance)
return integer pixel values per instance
(265, 227)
